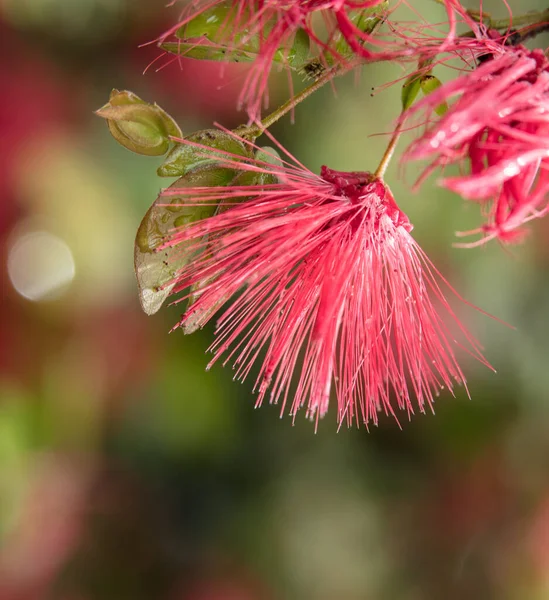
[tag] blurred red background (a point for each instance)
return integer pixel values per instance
(127, 471)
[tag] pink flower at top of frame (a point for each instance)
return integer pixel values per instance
(273, 25)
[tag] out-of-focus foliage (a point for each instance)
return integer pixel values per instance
(127, 471)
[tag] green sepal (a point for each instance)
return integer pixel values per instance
(137, 125)
(430, 83)
(410, 91)
(184, 158)
(155, 269)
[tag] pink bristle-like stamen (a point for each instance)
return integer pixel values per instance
(319, 277)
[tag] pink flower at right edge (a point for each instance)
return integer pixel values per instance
(499, 126)
(320, 275)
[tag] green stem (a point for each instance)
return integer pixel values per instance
(253, 131)
(388, 155)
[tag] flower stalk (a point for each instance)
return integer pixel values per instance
(251, 132)
(389, 152)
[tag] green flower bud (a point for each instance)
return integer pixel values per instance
(137, 125)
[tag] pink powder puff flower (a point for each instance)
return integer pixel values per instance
(499, 125)
(319, 274)
(273, 25)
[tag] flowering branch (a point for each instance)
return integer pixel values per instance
(319, 273)
(388, 154)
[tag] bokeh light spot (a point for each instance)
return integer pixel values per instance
(40, 266)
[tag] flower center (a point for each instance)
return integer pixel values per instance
(365, 190)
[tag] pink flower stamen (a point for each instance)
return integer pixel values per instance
(499, 124)
(319, 275)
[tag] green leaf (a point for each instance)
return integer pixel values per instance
(266, 155)
(137, 125)
(367, 20)
(430, 83)
(269, 155)
(204, 51)
(155, 269)
(298, 54)
(184, 158)
(216, 24)
(216, 34)
(209, 23)
(197, 318)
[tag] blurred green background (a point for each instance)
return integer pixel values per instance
(127, 471)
